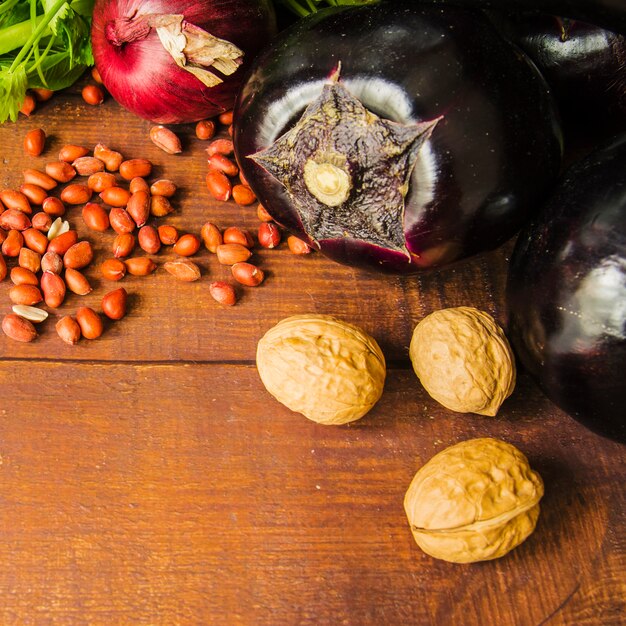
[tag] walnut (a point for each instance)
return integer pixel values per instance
(330, 371)
(463, 360)
(474, 501)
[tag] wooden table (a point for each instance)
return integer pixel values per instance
(147, 477)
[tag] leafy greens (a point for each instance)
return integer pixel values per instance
(43, 43)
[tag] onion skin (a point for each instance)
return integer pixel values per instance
(142, 76)
(493, 154)
(566, 293)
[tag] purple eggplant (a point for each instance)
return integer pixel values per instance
(397, 136)
(566, 293)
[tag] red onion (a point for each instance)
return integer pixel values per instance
(179, 61)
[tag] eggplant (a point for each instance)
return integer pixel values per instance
(566, 293)
(585, 66)
(399, 136)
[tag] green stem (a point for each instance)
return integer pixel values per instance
(17, 35)
(37, 33)
(7, 6)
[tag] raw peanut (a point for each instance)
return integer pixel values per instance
(3, 235)
(95, 217)
(18, 328)
(262, 214)
(41, 221)
(34, 193)
(52, 262)
(86, 165)
(223, 164)
(138, 184)
(61, 171)
(115, 196)
(222, 292)
(226, 118)
(58, 227)
(121, 221)
(77, 282)
(234, 234)
(91, 326)
(12, 219)
(230, 130)
(111, 158)
(53, 206)
(76, 193)
(25, 294)
(70, 153)
(100, 181)
(35, 240)
(29, 259)
(148, 238)
(123, 245)
(247, 274)
(23, 276)
(41, 179)
(3, 268)
(95, 74)
(41, 94)
(205, 129)
(297, 246)
(13, 199)
(79, 255)
(34, 142)
(68, 329)
(53, 287)
(12, 245)
(29, 104)
(218, 185)
(63, 242)
(220, 146)
(92, 94)
(167, 234)
(30, 313)
(163, 187)
(269, 235)
(165, 139)
(243, 195)
(140, 266)
(138, 207)
(183, 269)
(160, 206)
(114, 303)
(231, 253)
(113, 269)
(135, 168)
(187, 245)
(211, 236)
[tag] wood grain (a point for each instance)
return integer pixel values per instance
(148, 478)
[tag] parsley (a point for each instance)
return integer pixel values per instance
(43, 43)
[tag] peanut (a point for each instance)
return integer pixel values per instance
(183, 269)
(262, 214)
(86, 165)
(140, 266)
(30, 260)
(269, 235)
(234, 234)
(148, 238)
(211, 236)
(95, 217)
(28, 105)
(16, 200)
(243, 195)
(111, 158)
(53, 206)
(70, 153)
(165, 139)
(226, 118)
(24, 293)
(223, 164)
(121, 221)
(167, 234)
(35, 240)
(23, 276)
(123, 245)
(41, 94)
(13, 243)
(68, 329)
(115, 196)
(34, 142)
(133, 168)
(78, 256)
(35, 194)
(52, 262)
(100, 181)
(113, 269)
(247, 274)
(297, 246)
(12, 219)
(61, 171)
(138, 207)
(205, 129)
(77, 282)
(114, 303)
(63, 242)
(39, 178)
(160, 206)
(222, 292)
(138, 184)
(218, 185)
(18, 328)
(76, 193)
(220, 146)
(91, 326)
(163, 187)
(187, 245)
(41, 221)
(231, 253)
(53, 287)
(3, 268)
(92, 94)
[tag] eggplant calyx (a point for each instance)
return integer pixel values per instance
(346, 170)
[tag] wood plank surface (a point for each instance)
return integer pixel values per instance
(147, 477)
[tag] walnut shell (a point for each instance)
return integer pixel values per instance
(463, 360)
(330, 371)
(473, 501)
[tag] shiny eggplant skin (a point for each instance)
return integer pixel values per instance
(566, 293)
(490, 160)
